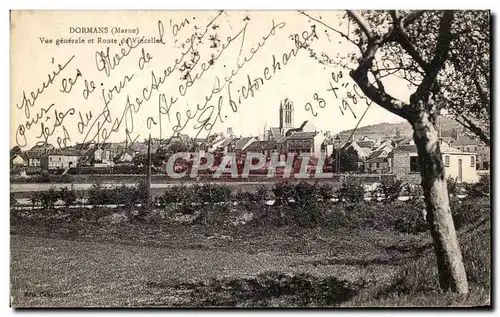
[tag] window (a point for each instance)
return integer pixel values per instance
(378, 165)
(414, 168)
(446, 160)
(472, 161)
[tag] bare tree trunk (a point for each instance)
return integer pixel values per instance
(451, 269)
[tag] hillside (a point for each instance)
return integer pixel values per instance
(448, 128)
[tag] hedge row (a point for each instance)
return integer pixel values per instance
(300, 193)
(96, 195)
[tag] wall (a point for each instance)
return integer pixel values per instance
(401, 167)
(58, 161)
(318, 140)
(18, 160)
(484, 157)
(469, 173)
(34, 162)
(383, 167)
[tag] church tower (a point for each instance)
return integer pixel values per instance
(286, 115)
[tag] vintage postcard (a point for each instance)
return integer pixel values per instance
(250, 158)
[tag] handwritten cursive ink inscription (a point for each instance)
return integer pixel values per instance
(152, 85)
(29, 102)
(352, 97)
(106, 62)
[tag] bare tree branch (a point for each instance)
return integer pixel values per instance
(468, 124)
(482, 94)
(404, 41)
(378, 77)
(412, 17)
(440, 56)
(362, 23)
(332, 29)
(442, 46)
(378, 95)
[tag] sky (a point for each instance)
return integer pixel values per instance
(75, 93)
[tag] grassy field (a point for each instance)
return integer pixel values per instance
(114, 262)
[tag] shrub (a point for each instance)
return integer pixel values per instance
(252, 198)
(48, 198)
(142, 192)
(414, 192)
(99, 195)
(476, 252)
(412, 222)
(217, 193)
(479, 189)
(124, 195)
(283, 192)
(390, 188)
(35, 198)
(469, 211)
(351, 191)
(453, 188)
(66, 179)
(212, 215)
(192, 198)
(215, 202)
(325, 191)
(44, 177)
(307, 209)
(68, 196)
(261, 194)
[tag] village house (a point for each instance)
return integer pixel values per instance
(483, 158)
(266, 147)
(125, 157)
(458, 165)
(363, 152)
(339, 140)
(59, 159)
(242, 144)
(102, 158)
(290, 139)
(380, 160)
(18, 160)
(328, 146)
(33, 158)
(42, 148)
(467, 144)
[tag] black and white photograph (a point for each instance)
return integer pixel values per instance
(250, 158)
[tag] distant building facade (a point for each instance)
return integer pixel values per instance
(59, 160)
(458, 165)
